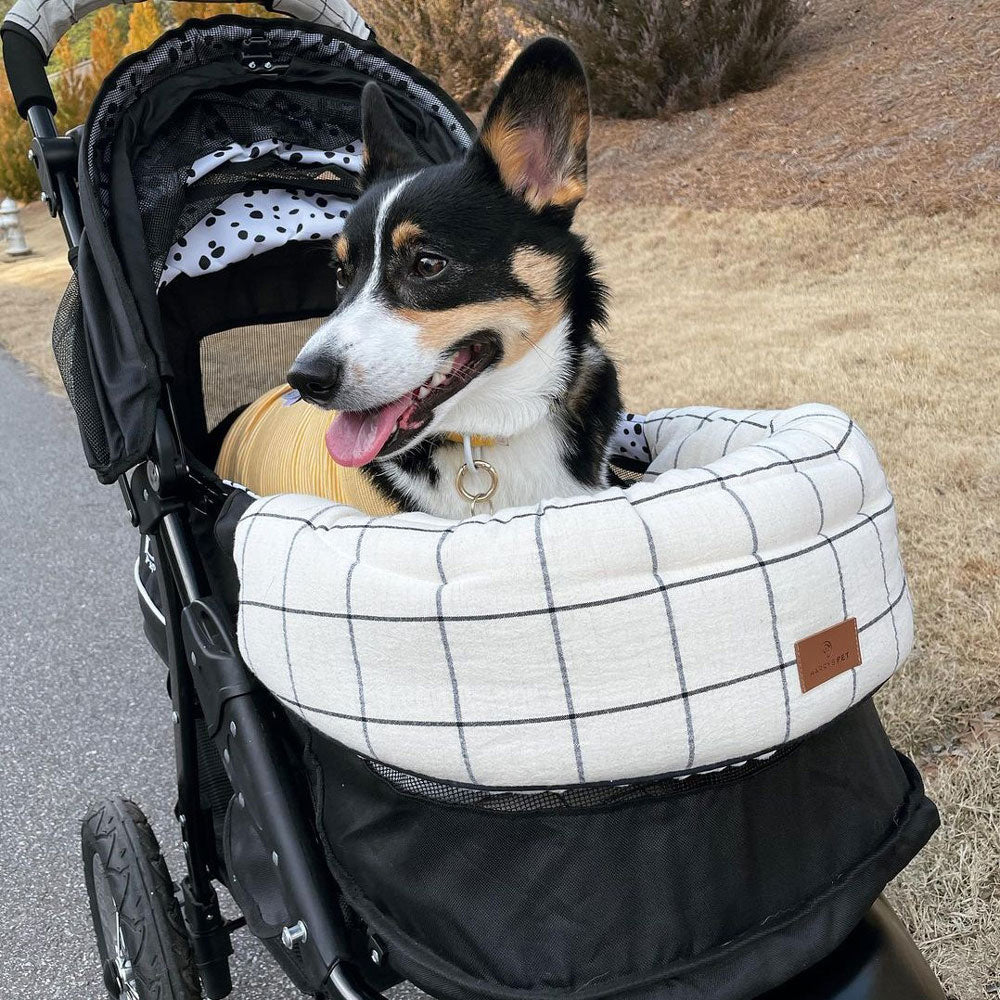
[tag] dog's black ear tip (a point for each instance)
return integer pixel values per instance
(552, 53)
(373, 101)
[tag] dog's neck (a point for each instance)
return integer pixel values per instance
(551, 442)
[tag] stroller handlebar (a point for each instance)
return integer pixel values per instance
(32, 29)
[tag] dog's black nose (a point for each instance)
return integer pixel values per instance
(317, 379)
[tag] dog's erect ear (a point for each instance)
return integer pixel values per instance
(388, 150)
(535, 131)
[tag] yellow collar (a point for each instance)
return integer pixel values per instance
(476, 440)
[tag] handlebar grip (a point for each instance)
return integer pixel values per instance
(24, 62)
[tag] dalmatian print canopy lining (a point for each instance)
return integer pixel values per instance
(254, 221)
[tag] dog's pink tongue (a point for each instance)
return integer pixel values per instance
(354, 439)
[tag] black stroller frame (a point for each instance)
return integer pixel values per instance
(234, 747)
(207, 678)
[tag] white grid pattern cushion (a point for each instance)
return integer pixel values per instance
(632, 633)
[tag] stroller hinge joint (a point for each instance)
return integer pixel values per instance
(146, 508)
(53, 156)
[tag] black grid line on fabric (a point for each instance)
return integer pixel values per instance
(674, 641)
(675, 415)
(846, 461)
(582, 605)
(833, 550)
(885, 581)
(614, 498)
(284, 616)
(449, 659)
(554, 622)
(354, 641)
(769, 590)
(702, 420)
(736, 426)
(586, 714)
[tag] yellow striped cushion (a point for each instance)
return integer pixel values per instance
(274, 447)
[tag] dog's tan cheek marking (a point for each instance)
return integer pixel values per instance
(340, 248)
(537, 271)
(543, 318)
(521, 323)
(404, 233)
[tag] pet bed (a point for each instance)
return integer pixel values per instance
(638, 632)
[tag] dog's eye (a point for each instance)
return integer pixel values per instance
(342, 278)
(427, 266)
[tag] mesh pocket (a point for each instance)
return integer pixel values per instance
(69, 345)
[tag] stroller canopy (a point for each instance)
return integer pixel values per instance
(214, 167)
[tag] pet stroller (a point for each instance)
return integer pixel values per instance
(197, 201)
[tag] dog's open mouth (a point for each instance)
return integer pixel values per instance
(358, 437)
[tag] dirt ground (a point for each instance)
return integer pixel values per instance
(888, 103)
(835, 238)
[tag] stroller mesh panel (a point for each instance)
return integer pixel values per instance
(261, 355)
(171, 207)
(70, 348)
(587, 796)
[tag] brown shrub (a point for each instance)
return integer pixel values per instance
(458, 43)
(647, 58)
(17, 176)
(107, 41)
(144, 27)
(74, 88)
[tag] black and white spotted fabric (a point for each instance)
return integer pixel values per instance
(633, 633)
(255, 220)
(628, 440)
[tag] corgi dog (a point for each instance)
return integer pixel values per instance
(468, 307)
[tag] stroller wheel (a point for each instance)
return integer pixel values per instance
(144, 949)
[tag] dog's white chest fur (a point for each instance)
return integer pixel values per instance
(529, 466)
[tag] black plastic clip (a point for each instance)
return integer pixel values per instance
(258, 56)
(145, 506)
(218, 671)
(52, 155)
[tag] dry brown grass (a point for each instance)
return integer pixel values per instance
(896, 321)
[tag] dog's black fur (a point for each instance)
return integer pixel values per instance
(495, 228)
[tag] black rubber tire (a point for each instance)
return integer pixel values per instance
(118, 835)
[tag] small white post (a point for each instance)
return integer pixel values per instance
(10, 224)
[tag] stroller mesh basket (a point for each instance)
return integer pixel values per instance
(213, 170)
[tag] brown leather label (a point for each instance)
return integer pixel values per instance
(828, 653)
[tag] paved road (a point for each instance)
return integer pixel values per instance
(83, 709)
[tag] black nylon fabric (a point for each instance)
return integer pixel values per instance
(192, 85)
(717, 888)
